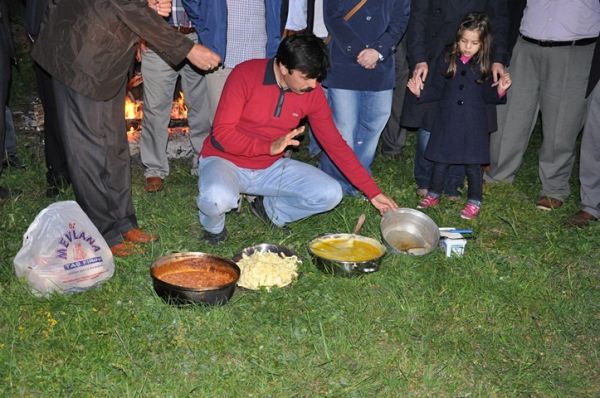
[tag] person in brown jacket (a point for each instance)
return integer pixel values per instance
(7, 54)
(88, 46)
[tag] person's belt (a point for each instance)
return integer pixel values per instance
(552, 43)
(184, 29)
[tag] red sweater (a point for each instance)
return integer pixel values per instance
(246, 123)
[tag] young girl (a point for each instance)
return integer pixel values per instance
(461, 84)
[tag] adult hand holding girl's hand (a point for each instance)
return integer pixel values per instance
(420, 73)
(368, 58)
(498, 70)
(383, 203)
(283, 142)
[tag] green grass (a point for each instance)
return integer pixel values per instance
(517, 316)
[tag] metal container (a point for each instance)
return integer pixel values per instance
(347, 268)
(409, 231)
(212, 295)
(266, 247)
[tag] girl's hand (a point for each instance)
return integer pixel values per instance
(504, 83)
(368, 58)
(415, 85)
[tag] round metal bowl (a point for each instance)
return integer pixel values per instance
(176, 294)
(341, 267)
(409, 231)
(265, 247)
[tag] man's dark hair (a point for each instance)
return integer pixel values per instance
(304, 53)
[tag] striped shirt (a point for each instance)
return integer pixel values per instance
(178, 15)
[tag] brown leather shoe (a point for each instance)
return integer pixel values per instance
(125, 249)
(547, 203)
(136, 235)
(580, 219)
(153, 184)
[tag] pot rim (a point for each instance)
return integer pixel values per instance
(416, 213)
(159, 262)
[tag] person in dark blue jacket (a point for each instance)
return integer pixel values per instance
(462, 86)
(361, 79)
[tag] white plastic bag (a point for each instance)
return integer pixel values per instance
(63, 251)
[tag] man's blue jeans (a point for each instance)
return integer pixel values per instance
(292, 190)
(456, 173)
(360, 116)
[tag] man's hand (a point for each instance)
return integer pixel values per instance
(203, 58)
(368, 58)
(420, 73)
(283, 142)
(162, 7)
(141, 48)
(498, 70)
(383, 203)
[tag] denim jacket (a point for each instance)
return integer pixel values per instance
(209, 17)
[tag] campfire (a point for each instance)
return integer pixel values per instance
(178, 129)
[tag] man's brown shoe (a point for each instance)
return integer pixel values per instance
(547, 203)
(125, 249)
(136, 235)
(580, 219)
(153, 184)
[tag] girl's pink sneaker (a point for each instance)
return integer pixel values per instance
(428, 201)
(470, 211)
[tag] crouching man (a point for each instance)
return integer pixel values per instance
(257, 117)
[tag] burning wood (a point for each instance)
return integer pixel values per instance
(178, 130)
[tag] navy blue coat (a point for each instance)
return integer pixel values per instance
(433, 25)
(379, 24)
(460, 130)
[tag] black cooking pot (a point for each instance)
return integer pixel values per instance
(212, 295)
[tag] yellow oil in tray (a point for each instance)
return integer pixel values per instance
(345, 249)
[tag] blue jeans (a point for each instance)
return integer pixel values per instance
(360, 116)
(423, 167)
(292, 190)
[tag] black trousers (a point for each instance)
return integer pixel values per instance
(393, 136)
(474, 174)
(56, 161)
(95, 142)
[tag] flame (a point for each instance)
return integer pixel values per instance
(179, 109)
(134, 112)
(132, 109)
(130, 133)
